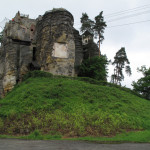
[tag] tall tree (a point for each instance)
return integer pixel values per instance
(1, 36)
(99, 27)
(96, 27)
(87, 24)
(120, 61)
(142, 86)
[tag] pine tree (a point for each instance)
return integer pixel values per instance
(99, 27)
(96, 27)
(87, 24)
(120, 61)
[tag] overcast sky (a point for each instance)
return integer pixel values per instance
(134, 37)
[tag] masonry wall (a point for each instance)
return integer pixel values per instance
(55, 43)
(16, 51)
(78, 49)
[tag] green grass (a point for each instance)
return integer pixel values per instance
(36, 135)
(70, 107)
(140, 137)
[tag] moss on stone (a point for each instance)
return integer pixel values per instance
(62, 38)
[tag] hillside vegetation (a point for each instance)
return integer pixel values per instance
(71, 107)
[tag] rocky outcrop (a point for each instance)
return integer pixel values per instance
(17, 51)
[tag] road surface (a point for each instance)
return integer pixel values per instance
(13, 144)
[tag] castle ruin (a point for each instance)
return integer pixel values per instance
(49, 43)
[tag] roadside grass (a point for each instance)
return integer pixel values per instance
(7, 137)
(73, 108)
(127, 137)
(138, 136)
(36, 135)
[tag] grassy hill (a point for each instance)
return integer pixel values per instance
(71, 107)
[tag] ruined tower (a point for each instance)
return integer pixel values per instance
(55, 42)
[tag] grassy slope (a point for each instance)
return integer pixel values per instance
(71, 108)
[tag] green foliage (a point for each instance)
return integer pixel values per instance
(99, 28)
(140, 137)
(36, 73)
(142, 86)
(95, 27)
(95, 68)
(99, 25)
(104, 83)
(87, 24)
(49, 107)
(36, 135)
(134, 136)
(120, 61)
(90, 50)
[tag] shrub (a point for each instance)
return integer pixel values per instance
(95, 68)
(142, 86)
(36, 74)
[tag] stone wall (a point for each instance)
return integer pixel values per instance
(55, 43)
(16, 52)
(78, 49)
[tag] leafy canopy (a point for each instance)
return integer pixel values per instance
(87, 24)
(142, 86)
(95, 68)
(99, 26)
(95, 27)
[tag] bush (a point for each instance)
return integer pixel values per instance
(95, 68)
(36, 74)
(142, 86)
(36, 135)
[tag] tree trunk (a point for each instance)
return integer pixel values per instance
(99, 46)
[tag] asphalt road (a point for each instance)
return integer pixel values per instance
(11, 144)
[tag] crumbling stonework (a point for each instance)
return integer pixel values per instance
(55, 43)
(78, 49)
(16, 51)
(49, 43)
